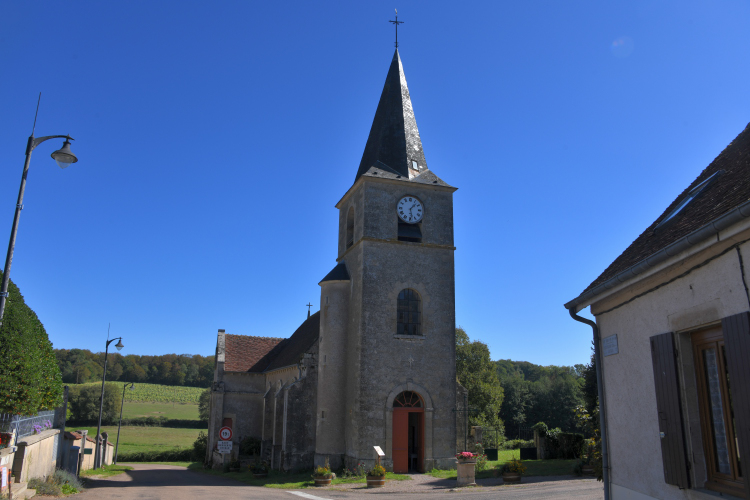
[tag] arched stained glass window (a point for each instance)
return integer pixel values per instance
(409, 313)
(408, 399)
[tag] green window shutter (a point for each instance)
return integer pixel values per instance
(736, 330)
(671, 435)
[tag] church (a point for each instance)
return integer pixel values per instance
(376, 365)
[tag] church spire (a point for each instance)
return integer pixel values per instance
(394, 142)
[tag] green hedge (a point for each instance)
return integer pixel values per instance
(514, 444)
(145, 422)
(565, 445)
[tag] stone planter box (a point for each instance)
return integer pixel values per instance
(323, 481)
(466, 473)
(375, 481)
(511, 477)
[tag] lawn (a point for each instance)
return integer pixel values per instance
(178, 411)
(533, 467)
(292, 481)
(133, 439)
(106, 471)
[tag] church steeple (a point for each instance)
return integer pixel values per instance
(394, 142)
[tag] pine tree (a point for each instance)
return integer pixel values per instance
(30, 379)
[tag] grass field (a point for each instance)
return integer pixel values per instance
(156, 393)
(533, 467)
(134, 439)
(180, 411)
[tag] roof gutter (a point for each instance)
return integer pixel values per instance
(698, 236)
(600, 396)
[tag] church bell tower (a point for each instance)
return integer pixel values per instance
(387, 361)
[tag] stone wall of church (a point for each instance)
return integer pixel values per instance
(380, 267)
(300, 424)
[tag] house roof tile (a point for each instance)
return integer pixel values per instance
(244, 352)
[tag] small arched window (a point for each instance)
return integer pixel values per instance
(408, 399)
(409, 313)
(350, 227)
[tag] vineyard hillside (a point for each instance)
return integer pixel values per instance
(157, 393)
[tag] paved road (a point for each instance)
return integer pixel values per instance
(157, 482)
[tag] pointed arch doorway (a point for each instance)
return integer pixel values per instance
(408, 433)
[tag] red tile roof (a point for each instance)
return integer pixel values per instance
(243, 352)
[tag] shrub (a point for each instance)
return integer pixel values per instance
(514, 444)
(204, 405)
(30, 379)
(561, 444)
(43, 487)
(200, 445)
(513, 465)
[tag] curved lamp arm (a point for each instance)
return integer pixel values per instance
(33, 143)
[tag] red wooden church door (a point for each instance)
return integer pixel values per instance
(400, 441)
(408, 447)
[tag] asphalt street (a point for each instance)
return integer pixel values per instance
(157, 482)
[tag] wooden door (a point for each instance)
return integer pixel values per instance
(400, 441)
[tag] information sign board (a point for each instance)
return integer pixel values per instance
(88, 451)
(609, 345)
(224, 446)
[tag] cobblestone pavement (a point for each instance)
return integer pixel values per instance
(157, 482)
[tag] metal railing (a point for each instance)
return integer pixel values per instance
(26, 425)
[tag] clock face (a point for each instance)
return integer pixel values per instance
(410, 209)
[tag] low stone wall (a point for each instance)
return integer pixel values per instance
(36, 455)
(6, 462)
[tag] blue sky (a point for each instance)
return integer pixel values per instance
(214, 139)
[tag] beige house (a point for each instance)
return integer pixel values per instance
(673, 321)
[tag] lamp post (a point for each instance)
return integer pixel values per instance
(97, 455)
(64, 158)
(117, 443)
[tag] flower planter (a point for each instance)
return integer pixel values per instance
(587, 470)
(375, 481)
(260, 475)
(234, 469)
(511, 477)
(466, 472)
(323, 481)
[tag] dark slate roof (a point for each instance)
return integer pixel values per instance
(295, 346)
(261, 354)
(243, 352)
(338, 273)
(730, 189)
(394, 138)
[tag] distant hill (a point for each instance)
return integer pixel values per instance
(80, 366)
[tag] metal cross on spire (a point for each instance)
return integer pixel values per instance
(308, 309)
(396, 23)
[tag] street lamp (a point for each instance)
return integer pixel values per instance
(117, 443)
(64, 157)
(97, 454)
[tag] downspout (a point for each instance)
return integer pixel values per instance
(600, 395)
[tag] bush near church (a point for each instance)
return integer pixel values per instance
(30, 380)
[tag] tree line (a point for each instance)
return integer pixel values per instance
(514, 394)
(79, 366)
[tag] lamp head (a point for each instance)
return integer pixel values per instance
(64, 156)
(119, 345)
(132, 387)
